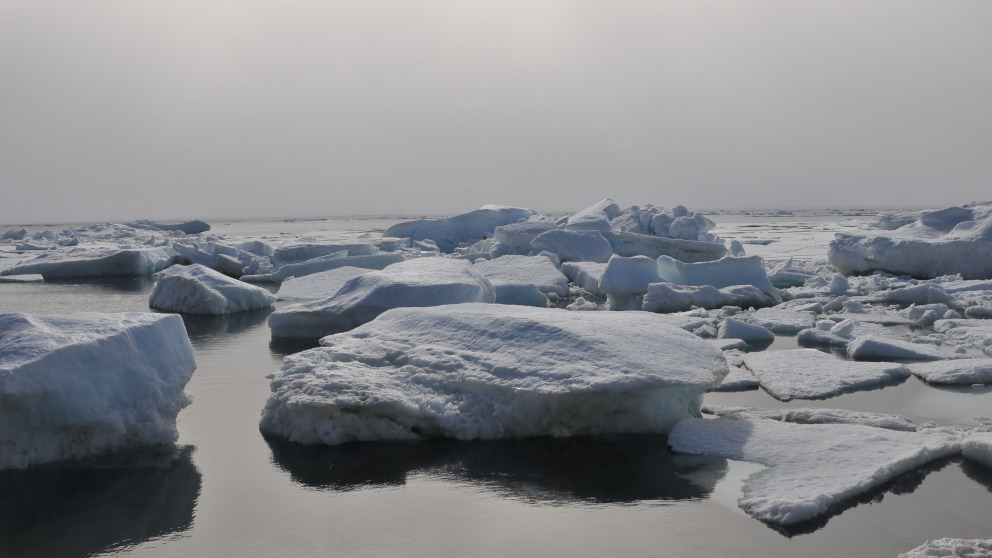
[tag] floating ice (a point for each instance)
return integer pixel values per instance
(965, 371)
(785, 275)
(812, 468)
(477, 371)
(95, 262)
(420, 282)
(325, 263)
(978, 447)
(296, 253)
(507, 272)
(840, 334)
(594, 218)
(467, 228)
(633, 244)
(751, 334)
(811, 374)
(31, 278)
(317, 285)
(669, 297)
(197, 289)
(583, 246)
(925, 244)
(917, 294)
(81, 384)
(586, 275)
(187, 227)
(870, 347)
(788, 322)
(625, 280)
(814, 415)
(951, 548)
(978, 312)
(977, 333)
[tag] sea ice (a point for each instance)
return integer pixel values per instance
(951, 548)
(816, 415)
(515, 238)
(811, 468)
(870, 347)
(31, 278)
(80, 384)
(197, 289)
(95, 262)
(625, 280)
(583, 246)
(419, 282)
(749, 333)
(513, 270)
(811, 374)
(586, 275)
(466, 228)
(725, 272)
(777, 320)
(296, 253)
(977, 333)
(965, 371)
(633, 244)
(978, 447)
(477, 371)
(317, 285)
(325, 263)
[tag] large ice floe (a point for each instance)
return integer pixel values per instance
(81, 384)
(924, 244)
(318, 285)
(421, 282)
(812, 469)
(481, 371)
(811, 374)
(197, 289)
(94, 262)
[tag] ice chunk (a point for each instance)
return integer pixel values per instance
(325, 263)
(32, 278)
(318, 285)
(466, 228)
(633, 244)
(816, 415)
(188, 227)
(724, 272)
(584, 246)
(95, 262)
(978, 447)
(479, 371)
(812, 468)
(811, 374)
(625, 281)
(419, 282)
(669, 297)
(978, 312)
(924, 248)
(918, 294)
(594, 218)
(197, 289)
(788, 322)
(951, 548)
(586, 275)
(537, 271)
(296, 253)
(751, 334)
(81, 384)
(516, 237)
(870, 347)
(841, 336)
(960, 371)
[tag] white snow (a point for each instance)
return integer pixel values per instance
(959, 371)
(419, 282)
(197, 289)
(477, 371)
(811, 374)
(81, 384)
(812, 468)
(951, 548)
(583, 246)
(317, 285)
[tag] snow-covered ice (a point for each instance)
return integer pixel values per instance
(965, 371)
(626, 280)
(478, 371)
(317, 285)
(724, 272)
(870, 347)
(419, 282)
(467, 228)
(586, 275)
(94, 262)
(811, 468)
(76, 385)
(777, 320)
(325, 263)
(513, 273)
(749, 333)
(951, 548)
(816, 415)
(978, 447)
(197, 289)
(582, 246)
(811, 374)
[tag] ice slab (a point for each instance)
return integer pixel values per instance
(95, 262)
(187, 227)
(633, 244)
(478, 371)
(80, 384)
(749, 333)
(420, 282)
(814, 415)
(812, 468)
(978, 447)
(296, 253)
(870, 347)
(586, 275)
(537, 271)
(788, 322)
(977, 333)
(811, 374)
(951, 548)
(583, 246)
(32, 278)
(840, 334)
(725, 272)
(965, 371)
(197, 289)
(516, 237)
(669, 297)
(325, 263)
(466, 228)
(317, 285)
(626, 280)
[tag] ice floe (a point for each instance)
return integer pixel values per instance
(582, 246)
(978, 447)
(777, 320)
(951, 548)
(80, 384)
(467, 228)
(964, 371)
(197, 289)
(816, 416)
(94, 262)
(491, 371)
(811, 374)
(316, 286)
(516, 278)
(870, 347)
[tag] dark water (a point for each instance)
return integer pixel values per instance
(225, 490)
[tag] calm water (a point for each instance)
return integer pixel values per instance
(227, 491)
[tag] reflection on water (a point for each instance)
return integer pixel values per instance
(284, 346)
(614, 469)
(201, 326)
(81, 508)
(977, 472)
(139, 284)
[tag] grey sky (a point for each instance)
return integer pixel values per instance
(247, 108)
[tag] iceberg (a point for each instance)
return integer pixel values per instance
(479, 371)
(811, 374)
(197, 289)
(77, 385)
(429, 281)
(467, 228)
(811, 468)
(95, 262)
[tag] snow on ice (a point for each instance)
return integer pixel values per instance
(197, 289)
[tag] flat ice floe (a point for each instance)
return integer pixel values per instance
(80, 384)
(787, 322)
(816, 415)
(431, 281)
(197, 289)
(811, 468)
(965, 371)
(951, 548)
(479, 371)
(811, 374)
(318, 285)
(885, 348)
(94, 262)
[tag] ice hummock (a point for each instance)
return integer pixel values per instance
(318, 285)
(811, 468)
(431, 281)
(467, 228)
(482, 371)
(76, 385)
(811, 374)
(197, 289)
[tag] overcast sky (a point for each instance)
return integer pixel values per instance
(245, 108)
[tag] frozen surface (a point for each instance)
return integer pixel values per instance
(669, 297)
(749, 333)
(820, 467)
(94, 262)
(960, 371)
(927, 244)
(420, 282)
(626, 280)
(976, 333)
(787, 322)
(586, 275)
(318, 285)
(76, 385)
(466, 228)
(634, 244)
(478, 371)
(951, 548)
(197, 289)
(516, 237)
(811, 374)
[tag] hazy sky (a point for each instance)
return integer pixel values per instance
(247, 108)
